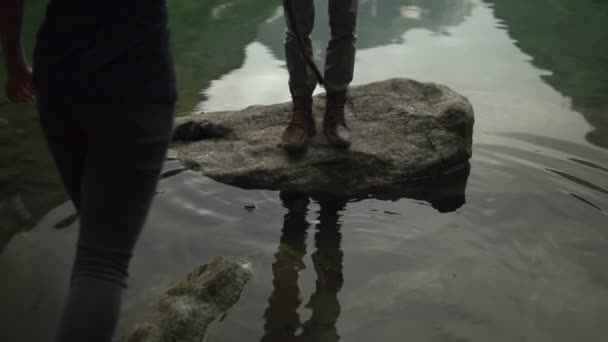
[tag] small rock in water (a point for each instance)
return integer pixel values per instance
(187, 309)
(250, 207)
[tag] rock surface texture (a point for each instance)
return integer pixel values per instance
(402, 130)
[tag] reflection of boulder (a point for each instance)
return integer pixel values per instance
(568, 38)
(187, 310)
(445, 193)
(380, 22)
(403, 130)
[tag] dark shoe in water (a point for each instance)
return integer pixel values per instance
(334, 124)
(301, 126)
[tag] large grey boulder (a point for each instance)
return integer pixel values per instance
(402, 130)
(186, 311)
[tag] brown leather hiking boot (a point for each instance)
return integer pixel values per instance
(334, 123)
(301, 126)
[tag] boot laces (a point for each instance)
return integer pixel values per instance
(336, 109)
(338, 113)
(298, 117)
(299, 114)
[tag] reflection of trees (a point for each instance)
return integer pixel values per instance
(209, 38)
(383, 22)
(282, 321)
(568, 38)
(380, 22)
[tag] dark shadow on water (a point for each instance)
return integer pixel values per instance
(283, 323)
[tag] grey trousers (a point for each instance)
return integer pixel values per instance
(340, 60)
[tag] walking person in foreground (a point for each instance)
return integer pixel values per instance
(339, 67)
(104, 85)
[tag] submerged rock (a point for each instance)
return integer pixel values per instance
(402, 130)
(187, 309)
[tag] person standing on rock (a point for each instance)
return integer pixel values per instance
(105, 90)
(339, 68)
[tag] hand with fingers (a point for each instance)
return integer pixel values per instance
(19, 85)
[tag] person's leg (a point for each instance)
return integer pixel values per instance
(66, 142)
(126, 149)
(340, 60)
(339, 68)
(302, 81)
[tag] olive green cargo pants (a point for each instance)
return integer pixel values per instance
(340, 59)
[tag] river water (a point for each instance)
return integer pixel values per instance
(514, 250)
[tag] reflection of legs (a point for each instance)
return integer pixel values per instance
(302, 80)
(328, 264)
(125, 150)
(340, 61)
(282, 320)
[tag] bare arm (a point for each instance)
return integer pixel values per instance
(19, 84)
(11, 19)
